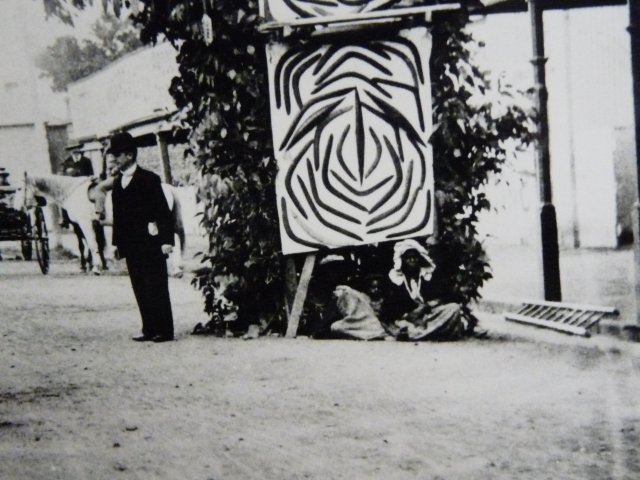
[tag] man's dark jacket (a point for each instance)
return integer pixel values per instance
(82, 168)
(134, 207)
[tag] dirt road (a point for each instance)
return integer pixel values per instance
(80, 400)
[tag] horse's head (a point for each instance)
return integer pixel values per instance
(98, 196)
(19, 199)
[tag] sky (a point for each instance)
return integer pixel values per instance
(45, 31)
(24, 33)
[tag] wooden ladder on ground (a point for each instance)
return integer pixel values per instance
(570, 318)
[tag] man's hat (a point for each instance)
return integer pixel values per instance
(74, 147)
(121, 142)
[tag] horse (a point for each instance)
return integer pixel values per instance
(71, 193)
(100, 196)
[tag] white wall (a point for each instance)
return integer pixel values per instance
(21, 150)
(589, 83)
(595, 192)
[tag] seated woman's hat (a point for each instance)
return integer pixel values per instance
(403, 246)
(399, 249)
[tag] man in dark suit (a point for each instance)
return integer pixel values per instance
(143, 235)
(77, 165)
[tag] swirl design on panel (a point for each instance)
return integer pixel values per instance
(353, 136)
(320, 8)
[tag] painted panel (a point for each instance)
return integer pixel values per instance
(351, 124)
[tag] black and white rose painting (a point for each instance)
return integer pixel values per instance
(351, 123)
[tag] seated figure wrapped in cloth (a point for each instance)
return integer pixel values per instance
(413, 308)
(359, 320)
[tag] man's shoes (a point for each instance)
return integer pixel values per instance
(162, 338)
(142, 338)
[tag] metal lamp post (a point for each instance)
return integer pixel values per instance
(548, 223)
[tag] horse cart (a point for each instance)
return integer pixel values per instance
(25, 225)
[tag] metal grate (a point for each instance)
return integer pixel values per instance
(570, 318)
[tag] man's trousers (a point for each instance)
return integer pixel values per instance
(150, 282)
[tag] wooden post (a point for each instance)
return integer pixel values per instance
(301, 295)
(548, 224)
(164, 156)
(291, 283)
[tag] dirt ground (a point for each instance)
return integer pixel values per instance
(80, 400)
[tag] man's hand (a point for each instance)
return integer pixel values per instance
(167, 250)
(116, 253)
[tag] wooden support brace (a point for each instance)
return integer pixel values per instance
(301, 295)
(291, 283)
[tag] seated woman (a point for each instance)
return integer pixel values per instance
(413, 309)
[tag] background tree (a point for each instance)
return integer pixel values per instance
(222, 91)
(70, 59)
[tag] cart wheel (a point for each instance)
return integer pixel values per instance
(25, 243)
(41, 241)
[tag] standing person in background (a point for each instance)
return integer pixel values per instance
(75, 165)
(143, 235)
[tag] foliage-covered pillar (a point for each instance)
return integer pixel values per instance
(548, 223)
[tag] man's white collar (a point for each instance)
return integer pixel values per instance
(130, 171)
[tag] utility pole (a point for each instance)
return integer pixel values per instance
(634, 25)
(548, 224)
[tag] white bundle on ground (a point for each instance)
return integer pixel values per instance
(359, 321)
